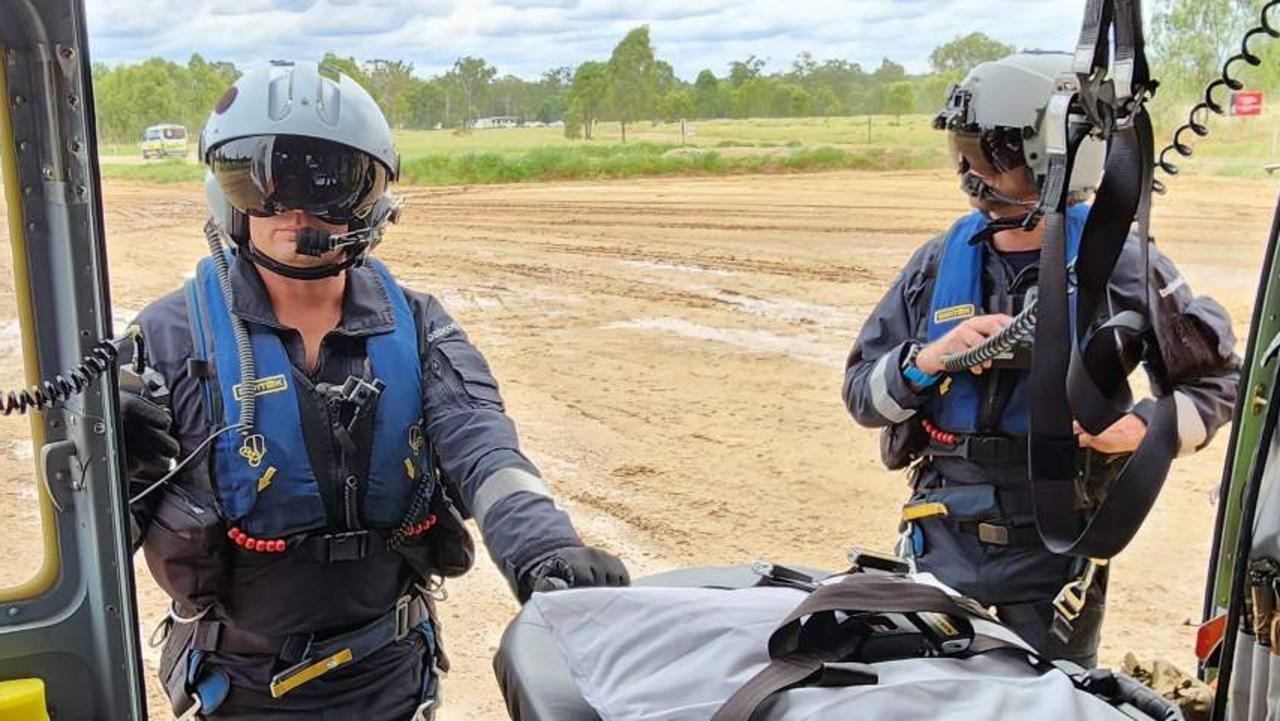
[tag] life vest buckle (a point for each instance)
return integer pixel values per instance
(349, 546)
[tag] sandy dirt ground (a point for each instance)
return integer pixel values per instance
(672, 350)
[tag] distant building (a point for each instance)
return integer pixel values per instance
(497, 121)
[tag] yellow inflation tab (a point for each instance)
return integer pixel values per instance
(266, 479)
(917, 511)
(23, 700)
(409, 469)
(287, 681)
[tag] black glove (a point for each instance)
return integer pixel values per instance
(573, 567)
(148, 445)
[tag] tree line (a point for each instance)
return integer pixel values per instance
(1190, 38)
(632, 85)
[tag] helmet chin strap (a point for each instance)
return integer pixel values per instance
(301, 273)
(314, 242)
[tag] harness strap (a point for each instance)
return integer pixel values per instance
(982, 449)
(200, 364)
(310, 656)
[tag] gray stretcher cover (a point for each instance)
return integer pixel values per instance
(676, 653)
(535, 680)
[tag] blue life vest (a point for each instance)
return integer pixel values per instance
(958, 295)
(264, 482)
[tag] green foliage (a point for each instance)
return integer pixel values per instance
(471, 76)
(1191, 38)
(587, 96)
(635, 85)
(641, 159)
(889, 72)
(128, 98)
(676, 104)
(347, 66)
(899, 99)
(390, 83)
(961, 55)
(741, 71)
(710, 96)
(172, 170)
(633, 78)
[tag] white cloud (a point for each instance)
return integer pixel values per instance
(526, 37)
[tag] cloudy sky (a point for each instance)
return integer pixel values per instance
(525, 37)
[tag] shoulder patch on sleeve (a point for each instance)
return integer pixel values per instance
(443, 331)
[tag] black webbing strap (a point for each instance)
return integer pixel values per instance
(807, 649)
(1092, 51)
(1051, 444)
(1081, 378)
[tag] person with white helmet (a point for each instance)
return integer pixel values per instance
(963, 435)
(337, 427)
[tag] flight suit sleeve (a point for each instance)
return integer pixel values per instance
(1202, 363)
(875, 391)
(167, 340)
(479, 451)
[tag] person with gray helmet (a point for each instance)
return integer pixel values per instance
(963, 435)
(334, 426)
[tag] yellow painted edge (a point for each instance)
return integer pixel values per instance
(44, 578)
(23, 700)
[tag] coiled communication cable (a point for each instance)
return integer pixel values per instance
(1198, 116)
(244, 349)
(1017, 332)
(50, 392)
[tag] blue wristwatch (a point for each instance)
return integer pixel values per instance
(918, 379)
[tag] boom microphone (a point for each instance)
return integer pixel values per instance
(315, 242)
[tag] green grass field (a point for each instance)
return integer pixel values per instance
(1237, 147)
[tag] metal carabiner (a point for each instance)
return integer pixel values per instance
(164, 626)
(1070, 601)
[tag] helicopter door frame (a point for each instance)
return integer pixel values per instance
(74, 625)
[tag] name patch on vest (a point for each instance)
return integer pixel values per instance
(942, 315)
(262, 386)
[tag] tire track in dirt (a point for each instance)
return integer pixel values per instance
(671, 216)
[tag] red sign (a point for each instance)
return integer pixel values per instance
(1246, 102)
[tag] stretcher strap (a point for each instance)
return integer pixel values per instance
(800, 657)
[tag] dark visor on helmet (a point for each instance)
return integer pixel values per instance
(268, 174)
(986, 152)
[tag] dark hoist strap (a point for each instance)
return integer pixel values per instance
(1079, 377)
(807, 648)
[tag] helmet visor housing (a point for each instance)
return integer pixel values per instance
(264, 175)
(988, 152)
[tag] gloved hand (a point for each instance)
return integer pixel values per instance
(573, 567)
(148, 445)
